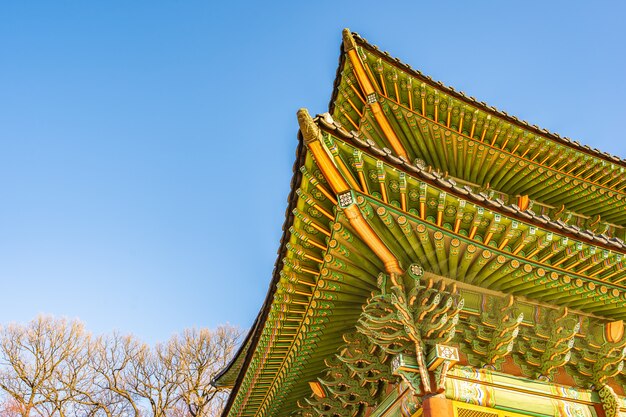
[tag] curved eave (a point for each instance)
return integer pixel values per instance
(471, 101)
(437, 180)
(294, 324)
(480, 162)
(321, 311)
(226, 377)
(502, 156)
(468, 261)
(281, 384)
(564, 259)
(278, 377)
(248, 348)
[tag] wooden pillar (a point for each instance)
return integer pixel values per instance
(437, 406)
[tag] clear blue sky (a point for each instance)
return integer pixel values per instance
(146, 147)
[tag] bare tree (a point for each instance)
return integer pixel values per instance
(155, 378)
(200, 355)
(53, 368)
(112, 363)
(33, 358)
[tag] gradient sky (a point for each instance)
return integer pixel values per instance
(146, 147)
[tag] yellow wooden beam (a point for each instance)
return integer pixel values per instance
(365, 231)
(349, 46)
(312, 136)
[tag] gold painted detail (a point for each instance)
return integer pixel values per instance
(470, 410)
(440, 354)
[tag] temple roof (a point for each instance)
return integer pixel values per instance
(306, 313)
(401, 109)
(415, 212)
(460, 95)
(468, 193)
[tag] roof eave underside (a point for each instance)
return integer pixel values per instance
(253, 337)
(255, 332)
(437, 180)
(471, 101)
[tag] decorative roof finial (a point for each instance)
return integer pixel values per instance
(310, 131)
(348, 40)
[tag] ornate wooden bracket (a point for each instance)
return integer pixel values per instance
(355, 379)
(414, 319)
(439, 360)
(495, 332)
(547, 347)
(595, 359)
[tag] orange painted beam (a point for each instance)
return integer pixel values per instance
(349, 45)
(312, 136)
